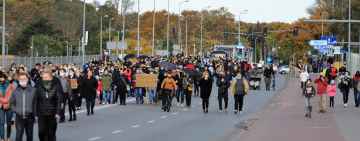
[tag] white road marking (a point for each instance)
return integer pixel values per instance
(135, 126)
(101, 107)
(117, 131)
(94, 138)
(151, 121)
(176, 113)
(185, 109)
(163, 117)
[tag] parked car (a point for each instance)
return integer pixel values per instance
(284, 69)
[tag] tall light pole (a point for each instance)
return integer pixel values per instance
(186, 37)
(153, 32)
(168, 30)
(123, 13)
(3, 36)
(201, 30)
(239, 30)
(179, 24)
(83, 35)
(349, 38)
(101, 35)
(138, 29)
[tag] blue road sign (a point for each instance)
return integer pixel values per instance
(318, 43)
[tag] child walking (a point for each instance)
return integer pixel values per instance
(331, 91)
(309, 92)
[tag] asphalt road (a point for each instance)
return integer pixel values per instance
(148, 122)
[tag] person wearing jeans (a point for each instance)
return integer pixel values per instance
(356, 85)
(6, 114)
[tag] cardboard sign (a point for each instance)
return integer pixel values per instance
(146, 80)
(74, 84)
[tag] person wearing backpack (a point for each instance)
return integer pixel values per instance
(344, 86)
(240, 88)
(356, 84)
(308, 92)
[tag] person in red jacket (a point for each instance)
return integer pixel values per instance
(321, 87)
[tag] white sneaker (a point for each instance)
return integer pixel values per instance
(345, 105)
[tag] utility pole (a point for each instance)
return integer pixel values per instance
(3, 36)
(138, 30)
(123, 13)
(101, 36)
(186, 37)
(201, 34)
(153, 32)
(83, 31)
(349, 38)
(168, 30)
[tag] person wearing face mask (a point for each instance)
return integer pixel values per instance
(168, 87)
(205, 90)
(49, 97)
(6, 90)
(23, 102)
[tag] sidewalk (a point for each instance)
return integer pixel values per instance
(283, 120)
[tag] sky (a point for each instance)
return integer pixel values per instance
(257, 10)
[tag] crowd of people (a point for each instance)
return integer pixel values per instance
(45, 92)
(329, 81)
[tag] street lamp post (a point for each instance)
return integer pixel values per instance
(101, 35)
(138, 30)
(153, 32)
(123, 13)
(186, 37)
(83, 35)
(239, 30)
(3, 36)
(201, 31)
(179, 24)
(168, 30)
(349, 37)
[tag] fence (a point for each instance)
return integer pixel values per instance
(355, 62)
(31, 61)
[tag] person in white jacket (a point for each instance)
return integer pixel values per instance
(304, 76)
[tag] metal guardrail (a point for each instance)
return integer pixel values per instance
(31, 61)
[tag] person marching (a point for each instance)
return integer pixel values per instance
(168, 87)
(356, 85)
(188, 90)
(48, 95)
(223, 86)
(240, 88)
(74, 85)
(6, 90)
(66, 93)
(308, 92)
(23, 103)
(321, 85)
(344, 85)
(205, 90)
(88, 87)
(331, 91)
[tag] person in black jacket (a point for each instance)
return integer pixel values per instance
(48, 95)
(223, 86)
(205, 90)
(88, 87)
(121, 88)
